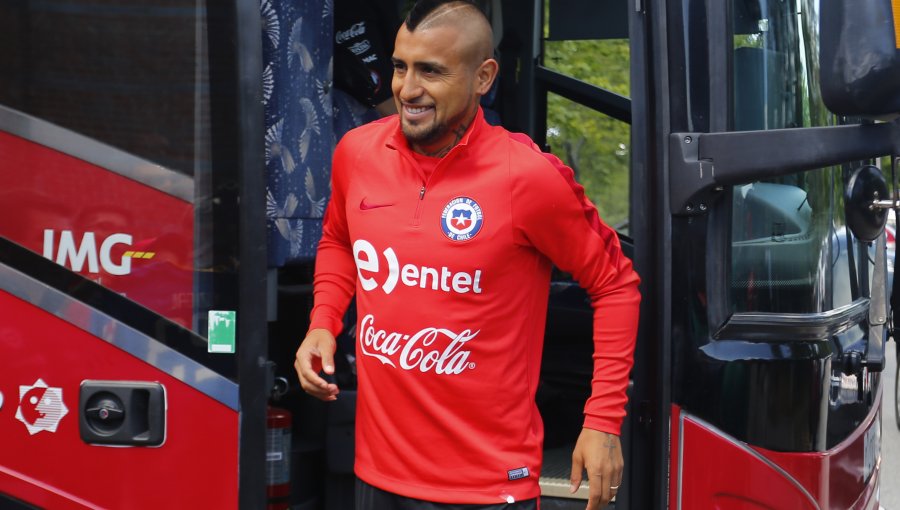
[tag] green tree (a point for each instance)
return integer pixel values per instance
(596, 146)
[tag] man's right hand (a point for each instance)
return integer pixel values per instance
(316, 354)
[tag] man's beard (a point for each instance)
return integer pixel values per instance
(423, 136)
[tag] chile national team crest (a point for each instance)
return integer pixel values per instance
(461, 219)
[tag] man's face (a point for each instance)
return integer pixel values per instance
(434, 86)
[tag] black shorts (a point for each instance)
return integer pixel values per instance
(373, 498)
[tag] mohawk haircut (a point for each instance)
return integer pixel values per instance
(423, 9)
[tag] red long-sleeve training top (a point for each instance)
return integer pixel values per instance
(451, 272)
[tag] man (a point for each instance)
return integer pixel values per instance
(446, 229)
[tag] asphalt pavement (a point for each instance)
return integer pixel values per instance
(890, 436)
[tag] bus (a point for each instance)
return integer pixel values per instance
(165, 166)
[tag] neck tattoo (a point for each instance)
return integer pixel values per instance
(459, 132)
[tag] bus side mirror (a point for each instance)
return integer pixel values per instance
(859, 57)
(865, 219)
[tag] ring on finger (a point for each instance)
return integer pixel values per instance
(614, 487)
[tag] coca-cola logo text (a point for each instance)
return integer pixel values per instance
(420, 351)
(356, 30)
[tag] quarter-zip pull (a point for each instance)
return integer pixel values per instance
(415, 221)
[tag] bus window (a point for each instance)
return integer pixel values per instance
(116, 164)
(790, 250)
(101, 71)
(594, 144)
(597, 148)
(781, 244)
(599, 53)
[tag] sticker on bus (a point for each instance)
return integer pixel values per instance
(40, 407)
(222, 329)
(872, 447)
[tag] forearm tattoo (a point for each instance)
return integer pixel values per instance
(611, 446)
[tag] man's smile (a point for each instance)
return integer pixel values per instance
(416, 112)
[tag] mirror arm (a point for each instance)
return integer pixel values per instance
(702, 164)
(874, 355)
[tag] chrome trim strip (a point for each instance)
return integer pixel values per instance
(680, 454)
(796, 326)
(752, 452)
(128, 339)
(106, 156)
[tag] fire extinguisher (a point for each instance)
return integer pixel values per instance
(278, 458)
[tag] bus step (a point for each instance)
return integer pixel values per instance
(555, 474)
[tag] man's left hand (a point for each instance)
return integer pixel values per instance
(599, 453)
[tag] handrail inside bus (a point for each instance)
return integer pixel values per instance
(584, 93)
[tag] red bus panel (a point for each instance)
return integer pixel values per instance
(45, 462)
(712, 470)
(127, 236)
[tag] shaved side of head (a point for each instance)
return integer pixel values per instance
(461, 14)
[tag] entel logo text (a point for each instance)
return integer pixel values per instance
(424, 277)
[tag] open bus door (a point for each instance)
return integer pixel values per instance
(777, 312)
(750, 214)
(535, 91)
(131, 239)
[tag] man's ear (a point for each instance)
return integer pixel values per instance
(485, 76)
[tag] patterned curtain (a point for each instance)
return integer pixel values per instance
(297, 48)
